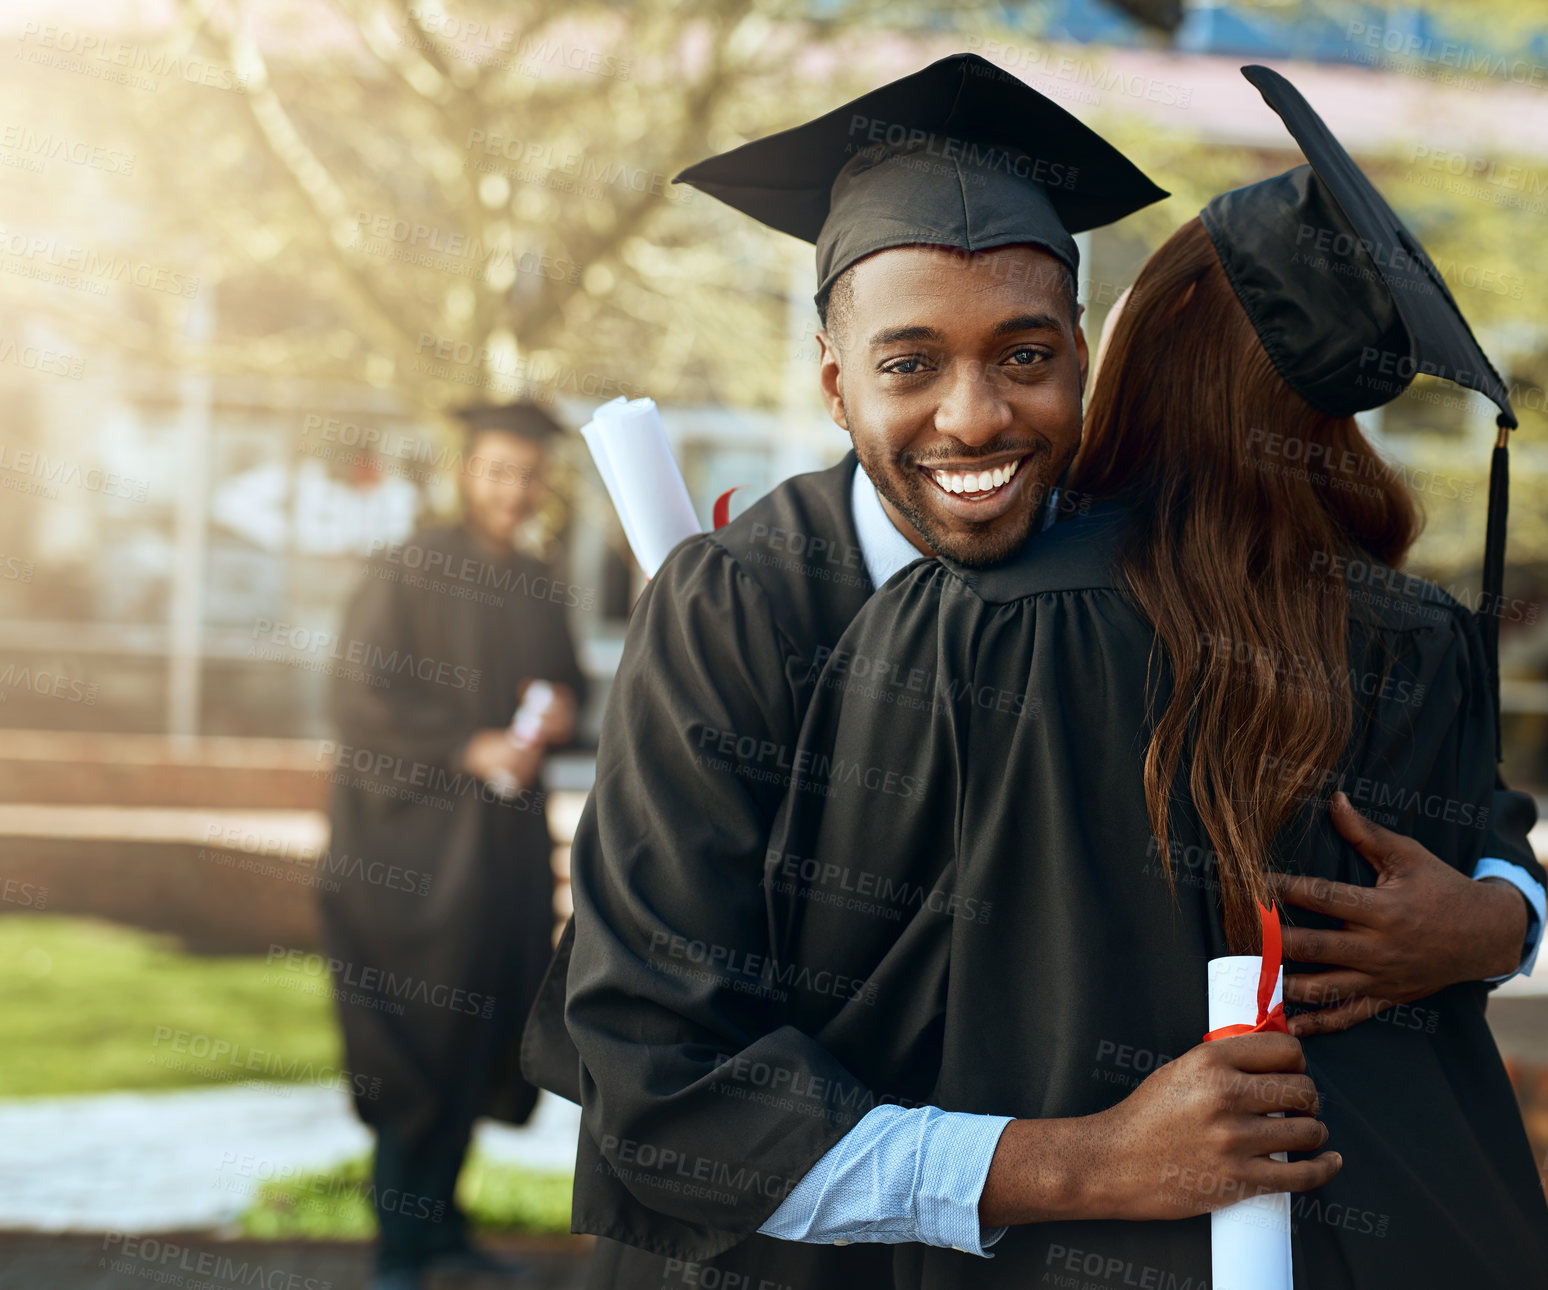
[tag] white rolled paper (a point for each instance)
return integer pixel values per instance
(1250, 1240)
(642, 478)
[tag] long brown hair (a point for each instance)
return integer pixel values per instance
(1192, 427)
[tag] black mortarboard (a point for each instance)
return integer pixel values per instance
(524, 419)
(1345, 301)
(960, 154)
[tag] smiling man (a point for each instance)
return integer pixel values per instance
(964, 416)
(722, 1143)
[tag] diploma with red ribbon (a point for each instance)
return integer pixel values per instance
(641, 476)
(1250, 1240)
(1271, 1008)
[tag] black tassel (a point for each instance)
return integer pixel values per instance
(1494, 570)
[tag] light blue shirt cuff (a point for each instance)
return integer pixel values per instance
(901, 1174)
(1537, 900)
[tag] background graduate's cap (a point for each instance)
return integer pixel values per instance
(960, 154)
(1345, 301)
(524, 419)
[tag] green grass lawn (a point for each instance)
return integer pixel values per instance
(88, 1007)
(334, 1204)
(92, 1007)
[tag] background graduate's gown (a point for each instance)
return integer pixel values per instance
(440, 642)
(1022, 954)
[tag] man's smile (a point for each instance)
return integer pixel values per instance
(975, 480)
(978, 490)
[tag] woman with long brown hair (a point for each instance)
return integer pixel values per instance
(1119, 734)
(1239, 494)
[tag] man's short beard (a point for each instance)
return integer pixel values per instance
(903, 485)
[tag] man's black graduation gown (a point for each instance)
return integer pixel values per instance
(721, 645)
(689, 1078)
(442, 884)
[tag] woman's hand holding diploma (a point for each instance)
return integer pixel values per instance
(1195, 1136)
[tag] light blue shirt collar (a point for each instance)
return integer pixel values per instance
(884, 549)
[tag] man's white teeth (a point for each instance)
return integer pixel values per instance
(975, 481)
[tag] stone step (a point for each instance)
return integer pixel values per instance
(83, 768)
(223, 881)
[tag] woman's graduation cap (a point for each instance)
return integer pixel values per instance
(1347, 304)
(960, 154)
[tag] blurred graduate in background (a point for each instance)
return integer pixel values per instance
(441, 922)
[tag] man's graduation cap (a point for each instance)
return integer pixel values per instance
(1347, 304)
(960, 154)
(524, 419)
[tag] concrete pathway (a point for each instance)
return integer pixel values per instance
(193, 1261)
(192, 1159)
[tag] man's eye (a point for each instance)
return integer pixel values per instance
(903, 366)
(1027, 357)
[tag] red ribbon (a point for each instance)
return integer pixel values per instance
(722, 513)
(1268, 1018)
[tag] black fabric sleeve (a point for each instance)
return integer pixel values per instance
(548, 1056)
(1510, 821)
(682, 1149)
(1428, 767)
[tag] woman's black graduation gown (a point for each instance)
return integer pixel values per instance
(693, 1067)
(440, 882)
(973, 846)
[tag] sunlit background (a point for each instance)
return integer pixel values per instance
(252, 253)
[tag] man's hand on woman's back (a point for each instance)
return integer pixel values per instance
(1422, 927)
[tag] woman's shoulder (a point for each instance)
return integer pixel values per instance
(1411, 642)
(1390, 599)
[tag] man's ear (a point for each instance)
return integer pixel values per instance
(830, 377)
(1082, 355)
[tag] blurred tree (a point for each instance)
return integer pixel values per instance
(474, 202)
(470, 202)
(483, 196)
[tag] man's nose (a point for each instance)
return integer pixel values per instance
(973, 409)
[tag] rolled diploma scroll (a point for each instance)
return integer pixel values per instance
(1250, 1240)
(641, 476)
(526, 729)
